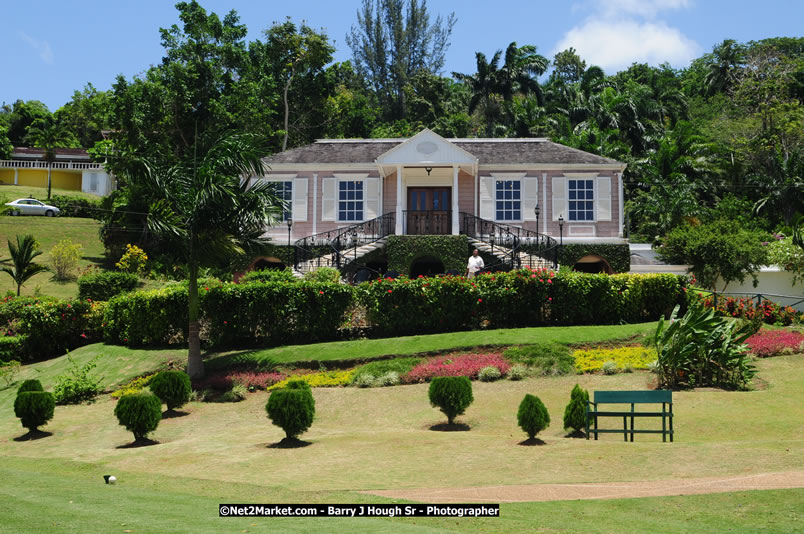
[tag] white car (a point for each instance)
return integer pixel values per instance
(31, 206)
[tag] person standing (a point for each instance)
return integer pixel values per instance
(475, 264)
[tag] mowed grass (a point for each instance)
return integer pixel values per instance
(47, 495)
(48, 232)
(13, 192)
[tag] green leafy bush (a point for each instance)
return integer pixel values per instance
(75, 206)
(324, 274)
(155, 317)
(372, 370)
(30, 385)
(34, 408)
(549, 359)
(610, 368)
(532, 415)
(105, 285)
(292, 408)
(703, 349)
(451, 394)
(269, 275)
(172, 387)
(575, 412)
(489, 374)
(77, 384)
(134, 260)
(8, 372)
(517, 372)
(64, 256)
(140, 413)
(45, 327)
(11, 348)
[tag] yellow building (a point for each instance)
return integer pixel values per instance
(72, 170)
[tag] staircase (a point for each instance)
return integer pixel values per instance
(505, 256)
(337, 259)
(513, 246)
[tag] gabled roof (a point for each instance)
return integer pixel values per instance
(38, 153)
(487, 151)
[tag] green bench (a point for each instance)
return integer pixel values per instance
(663, 397)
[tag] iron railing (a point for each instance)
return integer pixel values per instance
(511, 241)
(426, 222)
(334, 248)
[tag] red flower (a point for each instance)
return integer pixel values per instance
(206, 288)
(226, 322)
(84, 336)
(549, 280)
(390, 291)
(320, 292)
(550, 298)
(533, 276)
(480, 300)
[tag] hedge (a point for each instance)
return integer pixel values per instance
(75, 206)
(156, 317)
(105, 285)
(618, 255)
(403, 251)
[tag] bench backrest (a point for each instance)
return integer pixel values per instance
(635, 397)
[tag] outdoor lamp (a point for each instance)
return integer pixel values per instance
(561, 228)
(290, 225)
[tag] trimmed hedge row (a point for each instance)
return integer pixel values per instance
(75, 206)
(105, 285)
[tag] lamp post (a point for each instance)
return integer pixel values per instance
(561, 229)
(290, 225)
(536, 212)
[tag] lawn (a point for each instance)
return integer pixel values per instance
(48, 232)
(13, 192)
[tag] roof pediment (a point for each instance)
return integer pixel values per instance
(426, 148)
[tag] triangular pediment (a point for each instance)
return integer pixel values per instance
(427, 148)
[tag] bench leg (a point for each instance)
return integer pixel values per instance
(595, 428)
(671, 422)
(632, 424)
(625, 429)
(664, 425)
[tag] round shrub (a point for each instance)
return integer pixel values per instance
(517, 372)
(34, 408)
(575, 412)
(140, 413)
(451, 394)
(364, 381)
(172, 387)
(610, 368)
(489, 374)
(532, 415)
(292, 408)
(30, 385)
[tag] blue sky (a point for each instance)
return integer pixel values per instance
(53, 48)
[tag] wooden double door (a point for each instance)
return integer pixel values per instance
(429, 211)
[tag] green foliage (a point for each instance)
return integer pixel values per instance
(269, 275)
(64, 256)
(172, 387)
(8, 371)
(134, 260)
(22, 256)
(75, 206)
(451, 394)
(155, 317)
(11, 348)
(324, 274)
(618, 256)
(575, 412)
(46, 328)
(721, 250)
(517, 372)
(610, 368)
(77, 384)
(292, 408)
(368, 375)
(702, 349)
(532, 415)
(549, 359)
(105, 285)
(34, 408)
(140, 413)
(403, 251)
(489, 374)
(30, 385)
(787, 255)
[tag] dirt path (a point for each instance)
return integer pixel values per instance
(604, 490)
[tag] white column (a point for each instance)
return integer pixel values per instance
(543, 208)
(398, 200)
(455, 218)
(621, 202)
(315, 203)
(16, 176)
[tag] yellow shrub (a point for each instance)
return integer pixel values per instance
(134, 260)
(135, 386)
(324, 379)
(587, 361)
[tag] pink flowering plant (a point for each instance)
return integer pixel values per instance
(772, 342)
(456, 365)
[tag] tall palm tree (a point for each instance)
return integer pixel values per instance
(209, 209)
(782, 184)
(49, 134)
(483, 88)
(727, 60)
(22, 256)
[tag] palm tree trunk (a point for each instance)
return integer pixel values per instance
(49, 167)
(195, 365)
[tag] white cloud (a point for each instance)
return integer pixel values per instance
(613, 45)
(617, 33)
(43, 47)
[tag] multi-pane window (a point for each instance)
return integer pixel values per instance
(509, 204)
(284, 191)
(350, 200)
(581, 200)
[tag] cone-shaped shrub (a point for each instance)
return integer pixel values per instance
(575, 412)
(34, 408)
(292, 408)
(140, 413)
(30, 385)
(172, 387)
(532, 415)
(451, 394)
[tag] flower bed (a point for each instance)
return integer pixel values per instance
(451, 365)
(254, 380)
(772, 342)
(746, 308)
(323, 379)
(636, 357)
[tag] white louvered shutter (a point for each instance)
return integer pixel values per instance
(299, 212)
(487, 198)
(371, 198)
(328, 200)
(560, 198)
(530, 197)
(603, 198)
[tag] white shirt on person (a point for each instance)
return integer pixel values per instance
(475, 264)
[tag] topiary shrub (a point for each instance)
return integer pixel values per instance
(451, 394)
(30, 385)
(292, 408)
(575, 412)
(140, 413)
(34, 408)
(532, 415)
(105, 285)
(172, 387)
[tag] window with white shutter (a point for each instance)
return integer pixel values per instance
(559, 197)
(300, 200)
(487, 197)
(328, 200)
(604, 198)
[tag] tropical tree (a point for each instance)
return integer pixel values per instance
(49, 134)
(208, 209)
(483, 86)
(22, 255)
(724, 66)
(782, 185)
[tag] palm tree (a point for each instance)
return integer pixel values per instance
(483, 88)
(208, 210)
(783, 185)
(727, 60)
(49, 134)
(22, 256)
